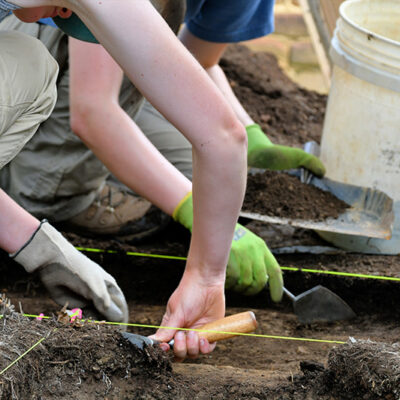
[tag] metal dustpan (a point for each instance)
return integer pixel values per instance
(370, 213)
(320, 304)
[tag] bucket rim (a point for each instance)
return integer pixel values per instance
(369, 33)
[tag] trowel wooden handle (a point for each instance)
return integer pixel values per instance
(244, 322)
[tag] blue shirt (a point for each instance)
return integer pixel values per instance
(225, 21)
(47, 21)
(5, 8)
(228, 21)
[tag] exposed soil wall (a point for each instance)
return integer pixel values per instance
(287, 361)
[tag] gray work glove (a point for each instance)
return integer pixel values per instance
(69, 275)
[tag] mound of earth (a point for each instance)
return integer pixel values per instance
(282, 195)
(288, 114)
(364, 369)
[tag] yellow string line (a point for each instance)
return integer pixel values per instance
(313, 271)
(130, 253)
(25, 353)
(167, 327)
(199, 330)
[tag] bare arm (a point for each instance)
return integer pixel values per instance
(135, 34)
(111, 134)
(17, 225)
(175, 83)
(209, 54)
(170, 78)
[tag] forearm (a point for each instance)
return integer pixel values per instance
(97, 118)
(212, 236)
(170, 78)
(208, 55)
(116, 140)
(218, 76)
(17, 226)
(219, 146)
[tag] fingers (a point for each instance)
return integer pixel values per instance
(188, 344)
(316, 166)
(108, 299)
(118, 302)
(166, 334)
(260, 278)
(62, 295)
(113, 313)
(62, 286)
(251, 265)
(247, 266)
(275, 277)
(279, 157)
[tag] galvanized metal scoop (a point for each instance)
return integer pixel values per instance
(370, 211)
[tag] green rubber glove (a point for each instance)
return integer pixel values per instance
(251, 264)
(262, 153)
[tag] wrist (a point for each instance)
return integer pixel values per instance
(183, 212)
(45, 246)
(204, 275)
(256, 138)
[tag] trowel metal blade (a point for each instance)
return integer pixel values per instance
(138, 340)
(320, 304)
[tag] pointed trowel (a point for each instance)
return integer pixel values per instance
(220, 329)
(319, 304)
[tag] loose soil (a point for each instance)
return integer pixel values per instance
(281, 195)
(94, 362)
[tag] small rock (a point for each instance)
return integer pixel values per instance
(302, 350)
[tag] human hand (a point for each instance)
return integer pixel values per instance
(251, 265)
(262, 153)
(193, 304)
(70, 276)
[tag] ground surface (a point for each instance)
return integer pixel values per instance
(94, 362)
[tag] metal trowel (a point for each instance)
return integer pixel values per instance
(220, 329)
(370, 211)
(319, 304)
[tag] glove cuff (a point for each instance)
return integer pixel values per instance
(183, 212)
(45, 242)
(14, 255)
(256, 138)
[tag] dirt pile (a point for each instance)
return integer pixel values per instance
(364, 369)
(74, 361)
(282, 195)
(94, 362)
(288, 114)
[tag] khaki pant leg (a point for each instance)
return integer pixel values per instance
(27, 91)
(55, 175)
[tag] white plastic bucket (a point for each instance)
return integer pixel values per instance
(361, 135)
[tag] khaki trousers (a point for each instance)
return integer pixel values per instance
(56, 176)
(27, 91)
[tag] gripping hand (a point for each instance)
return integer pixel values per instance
(251, 264)
(69, 275)
(262, 153)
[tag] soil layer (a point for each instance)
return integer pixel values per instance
(286, 360)
(281, 195)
